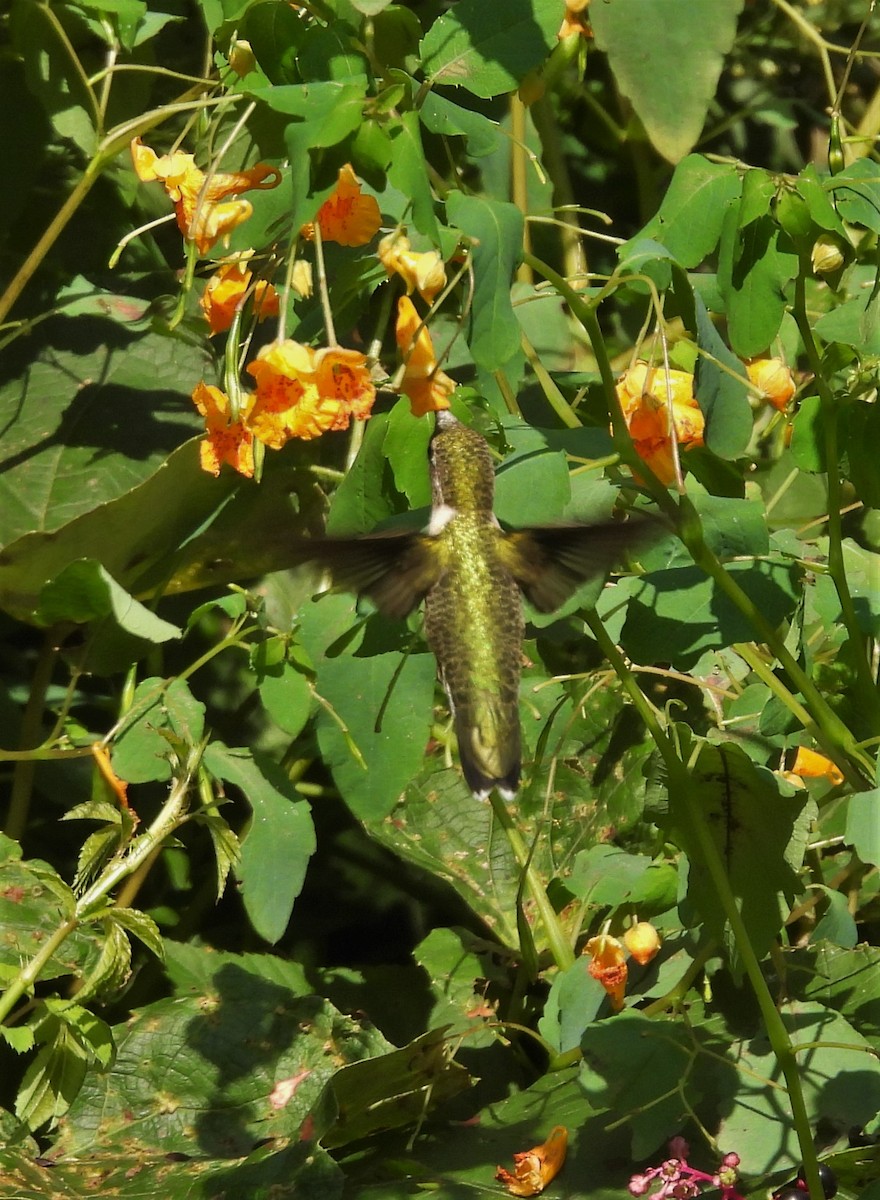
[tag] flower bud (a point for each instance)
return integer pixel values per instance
(241, 58)
(642, 941)
(773, 379)
(827, 254)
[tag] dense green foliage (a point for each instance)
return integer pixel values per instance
(257, 939)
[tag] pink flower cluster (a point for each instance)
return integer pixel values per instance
(675, 1179)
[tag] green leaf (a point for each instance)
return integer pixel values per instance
(856, 191)
(85, 591)
(755, 265)
(52, 1081)
(406, 447)
(366, 495)
(532, 487)
(143, 927)
(836, 923)
(666, 63)
(469, 47)
(496, 228)
(440, 115)
(362, 691)
(329, 110)
(242, 1060)
(677, 614)
(863, 825)
(457, 974)
(279, 843)
(160, 714)
(722, 394)
(690, 217)
(753, 827)
(286, 694)
(573, 1004)
(408, 172)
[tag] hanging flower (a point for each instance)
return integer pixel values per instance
(225, 292)
(302, 392)
(202, 218)
(346, 216)
(422, 271)
(427, 386)
(773, 379)
(608, 965)
(535, 1168)
(642, 941)
(645, 400)
(575, 20)
(809, 764)
(225, 440)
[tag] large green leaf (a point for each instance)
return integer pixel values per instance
(690, 217)
(469, 47)
(279, 843)
(756, 262)
(496, 228)
(666, 63)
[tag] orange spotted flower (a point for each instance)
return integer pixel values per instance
(645, 400)
(420, 270)
(226, 290)
(225, 440)
(608, 965)
(535, 1168)
(302, 392)
(204, 211)
(773, 379)
(347, 217)
(427, 386)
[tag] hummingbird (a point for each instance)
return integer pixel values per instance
(472, 575)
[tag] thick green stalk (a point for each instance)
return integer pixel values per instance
(679, 779)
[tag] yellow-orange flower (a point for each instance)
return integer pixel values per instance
(302, 392)
(225, 292)
(225, 440)
(347, 217)
(645, 400)
(535, 1168)
(773, 379)
(204, 212)
(809, 764)
(420, 270)
(642, 941)
(575, 19)
(608, 965)
(427, 386)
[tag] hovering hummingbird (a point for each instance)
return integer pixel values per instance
(470, 573)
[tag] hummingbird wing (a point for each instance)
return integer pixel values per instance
(550, 562)
(395, 570)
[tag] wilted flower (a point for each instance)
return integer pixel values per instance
(646, 395)
(346, 217)
(422, 270)
(242, 58)
(608, 965)
(642, 941)
(202, 218)
(773, 379)
(225, 440)
(427, 386)
(302, 392)
(301, 279)
(535, 1168)
(226, 290)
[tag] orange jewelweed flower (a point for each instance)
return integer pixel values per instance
(302, 392)
(225, 440)
(645, 400)
(773, 379)
(427, 386)
(226, 290)
(422, 271)
(202, 218)
(809, 764)
(642, 941)
(346, 216)
(608, 965)
(535, 1168)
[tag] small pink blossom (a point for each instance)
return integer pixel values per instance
(675, 1179)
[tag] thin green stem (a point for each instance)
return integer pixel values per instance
(23, 775)
(563, 955)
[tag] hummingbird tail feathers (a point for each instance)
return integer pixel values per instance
(488, 764)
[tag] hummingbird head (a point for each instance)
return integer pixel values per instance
(462, 472)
